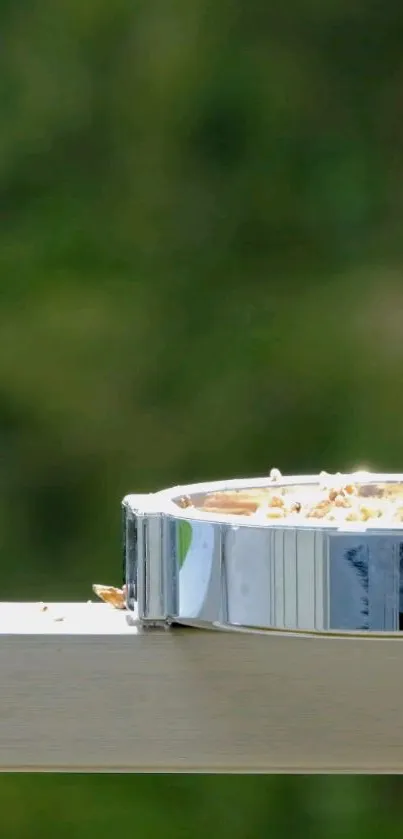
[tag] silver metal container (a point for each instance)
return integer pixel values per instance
(189, 566)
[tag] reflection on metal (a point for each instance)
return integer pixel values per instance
(186, 566)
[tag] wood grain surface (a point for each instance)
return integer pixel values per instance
(83, 691)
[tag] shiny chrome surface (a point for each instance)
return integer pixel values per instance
(189, 566)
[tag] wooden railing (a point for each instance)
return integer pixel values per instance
(81, 689)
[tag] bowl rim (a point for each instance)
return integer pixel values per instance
(165, 502)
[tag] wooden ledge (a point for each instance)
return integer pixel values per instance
(83, 690)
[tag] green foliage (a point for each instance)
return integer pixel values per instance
(200, 267)
(196, 806)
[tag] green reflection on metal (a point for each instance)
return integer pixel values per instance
(184, 540)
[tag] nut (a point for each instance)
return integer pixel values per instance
(110, 594)
(275, 513)
(276, 501)
(342, 501)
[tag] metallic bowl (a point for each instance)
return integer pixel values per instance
(190, 566)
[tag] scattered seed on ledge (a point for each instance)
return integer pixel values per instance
(109, 594)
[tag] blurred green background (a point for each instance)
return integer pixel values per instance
(201, 259)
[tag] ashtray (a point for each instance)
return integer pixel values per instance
(311, 553)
